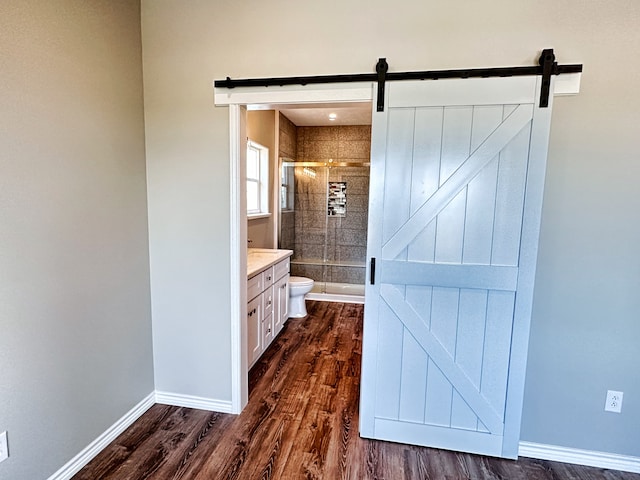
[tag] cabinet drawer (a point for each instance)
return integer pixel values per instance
(255, 286)
(267, 277)
(281, 269)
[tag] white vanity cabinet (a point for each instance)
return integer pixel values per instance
(267, 294)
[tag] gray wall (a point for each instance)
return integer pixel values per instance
(75, 327)
(188, 204)
(585, 324)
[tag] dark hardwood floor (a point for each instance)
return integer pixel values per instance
(301, 423)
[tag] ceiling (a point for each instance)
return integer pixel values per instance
(317, 115)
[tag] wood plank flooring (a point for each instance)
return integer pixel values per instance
(301, 423)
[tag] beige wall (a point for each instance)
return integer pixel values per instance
(75, 320)
(585, 327)
(260, 233)
(261, 128)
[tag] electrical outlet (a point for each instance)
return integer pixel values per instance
(614, 401)
(4, 447)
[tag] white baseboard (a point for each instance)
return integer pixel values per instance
(335, 297)
(580, 457)
(74, 465)
(191, 401)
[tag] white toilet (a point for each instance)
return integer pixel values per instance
(298, 287)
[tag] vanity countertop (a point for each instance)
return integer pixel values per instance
(260, 258)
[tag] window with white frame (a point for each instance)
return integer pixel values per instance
(257, 179)
(286, 187)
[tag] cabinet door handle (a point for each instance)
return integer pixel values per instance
(250, 313)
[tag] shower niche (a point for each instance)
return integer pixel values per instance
(323, 219)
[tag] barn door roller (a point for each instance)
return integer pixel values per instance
(548, 63)
(382, 67)
(546, 67)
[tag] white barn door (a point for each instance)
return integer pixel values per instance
(457, 176)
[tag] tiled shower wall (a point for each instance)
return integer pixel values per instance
(342, 143)
(345, 237)
(288, 138)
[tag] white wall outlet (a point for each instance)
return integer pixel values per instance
(4, 447)
(614, 401)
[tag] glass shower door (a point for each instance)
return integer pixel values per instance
(323, 219)
(303, 223)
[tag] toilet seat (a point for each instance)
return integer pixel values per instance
(300, 281)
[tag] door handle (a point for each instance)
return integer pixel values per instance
(372, 271)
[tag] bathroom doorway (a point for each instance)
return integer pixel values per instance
(239, 101)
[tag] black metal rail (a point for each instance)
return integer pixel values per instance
(546, 67)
